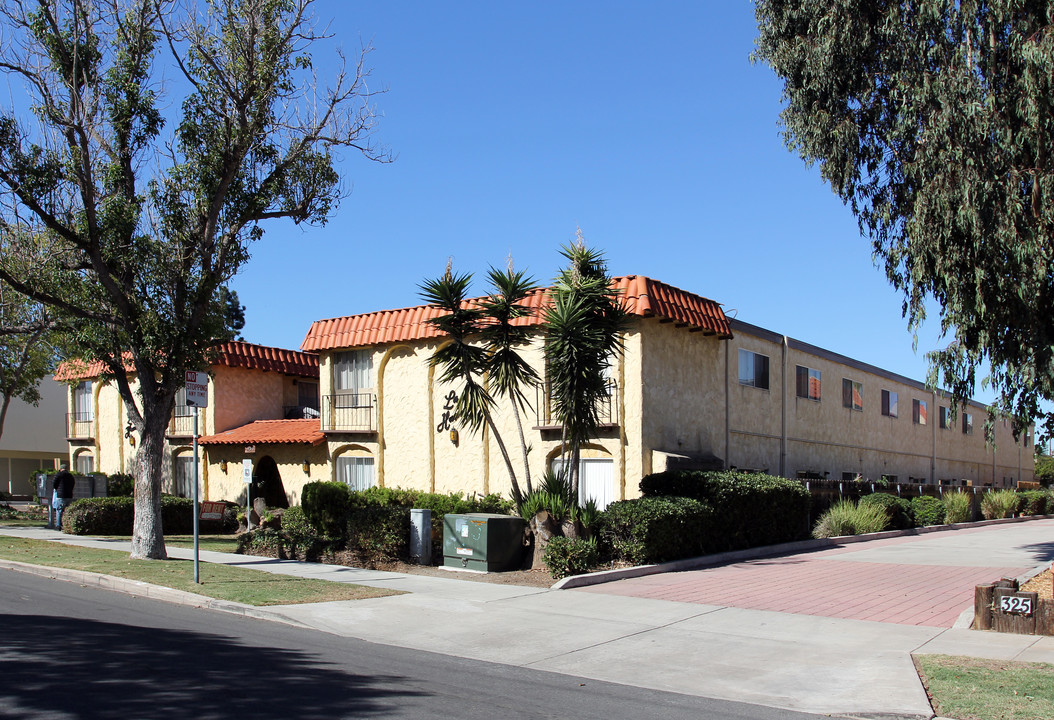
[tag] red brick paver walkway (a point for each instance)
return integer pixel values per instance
(817, 583)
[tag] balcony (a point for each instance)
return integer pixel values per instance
(182, 422)
(80, 426)
(607, 408)
(349, 412)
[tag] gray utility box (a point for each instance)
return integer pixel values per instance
(483, 541)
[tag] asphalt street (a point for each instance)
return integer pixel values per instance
(70, 651)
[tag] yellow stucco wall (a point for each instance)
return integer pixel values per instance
(683, 392)
(225, 483)
(413, 448)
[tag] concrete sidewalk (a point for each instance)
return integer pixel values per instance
(800, 662)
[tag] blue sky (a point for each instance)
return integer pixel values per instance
(645, 124)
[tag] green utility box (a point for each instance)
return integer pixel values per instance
(483, 541)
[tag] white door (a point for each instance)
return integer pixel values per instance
(596, 481)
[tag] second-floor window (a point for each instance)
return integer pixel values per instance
(82, 404)
(753, 369)
(889, 403)
(918, 412)
(852, 394)
(182, 409)
(352, 371)
(945, 418)
(307, 394)
(807, 381)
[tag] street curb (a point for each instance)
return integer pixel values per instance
(705, 561)
(137, 588)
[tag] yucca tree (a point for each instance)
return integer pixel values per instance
(583, 332)
(483, 352)
(506, 369)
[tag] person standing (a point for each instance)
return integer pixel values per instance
(62, 492)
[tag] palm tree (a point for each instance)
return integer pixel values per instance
(489, 322)
(507, 370)
(583, 331)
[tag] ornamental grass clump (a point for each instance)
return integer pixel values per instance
(848, 518)
(958, 508)
(1000, 504)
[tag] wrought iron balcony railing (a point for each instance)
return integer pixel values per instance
(80, 425)
(607, 407)
(349, 412)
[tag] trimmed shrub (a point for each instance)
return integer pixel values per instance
(849, 518)
(99, 516)
(114, 515)
(897, 509)
(1035, 502)
(1000, 504)
(656, 529)
(958, 507)
(569, 556)
(927, 510)
(120, 485)
(326, 506)
(379, 533)
(749, 509)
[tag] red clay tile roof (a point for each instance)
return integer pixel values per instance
(270, 432)
(643, 296)
(232, 354)
(261, 357)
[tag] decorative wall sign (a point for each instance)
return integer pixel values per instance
(449, 416)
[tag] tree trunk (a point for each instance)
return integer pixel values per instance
(148, 540)
(3, 413)
(523, 447)
(508, 460)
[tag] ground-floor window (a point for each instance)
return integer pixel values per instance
(85, 464)
(356, 472)
(183, 475)
(596, 480)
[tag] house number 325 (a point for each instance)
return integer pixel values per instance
(1016, 604)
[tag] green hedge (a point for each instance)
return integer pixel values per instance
(326, 506)
(927, 510)
(114, 516)
(656, 529)
(749, 509)
(898, 510)
(566, 556)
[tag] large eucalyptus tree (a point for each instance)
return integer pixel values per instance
(154, 139)
(934, 122)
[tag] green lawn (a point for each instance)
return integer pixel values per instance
(252, 587)
(968, 688)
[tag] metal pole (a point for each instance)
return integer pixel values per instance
(197, 576)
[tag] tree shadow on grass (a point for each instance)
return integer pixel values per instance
(74, 668)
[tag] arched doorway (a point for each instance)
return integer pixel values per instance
(267, 483)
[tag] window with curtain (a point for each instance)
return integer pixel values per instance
(352, 371)
(82, 404)
(85, 464)
(356, 472)
(183, 475)
(182, 409)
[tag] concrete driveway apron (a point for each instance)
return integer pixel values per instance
(925, 580)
